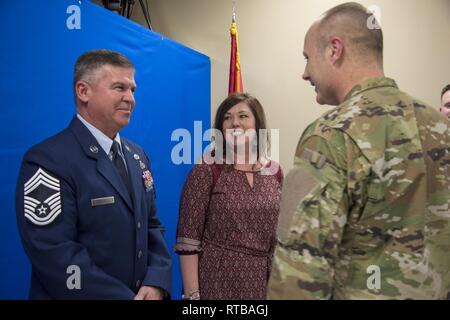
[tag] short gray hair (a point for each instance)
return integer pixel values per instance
(91, 61)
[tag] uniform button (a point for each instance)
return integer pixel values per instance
(139, 254)
(138, 283)
(139, 225)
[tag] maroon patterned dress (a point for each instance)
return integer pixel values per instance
(232, 227)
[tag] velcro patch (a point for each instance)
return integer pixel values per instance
(298, 184)
(42, 198)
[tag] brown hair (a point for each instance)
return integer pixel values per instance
(444, 90)
(257, 111)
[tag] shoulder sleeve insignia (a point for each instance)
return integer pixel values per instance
(42, 198)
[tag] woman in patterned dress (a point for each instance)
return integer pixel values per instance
(229, 212)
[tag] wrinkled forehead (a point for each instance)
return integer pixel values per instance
(116, 74)
(115, 71)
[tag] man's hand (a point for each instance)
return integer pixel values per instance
(149, 293)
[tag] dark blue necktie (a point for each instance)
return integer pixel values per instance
(119, 163)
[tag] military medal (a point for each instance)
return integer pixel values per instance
(148, 180)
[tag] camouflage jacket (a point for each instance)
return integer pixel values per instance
(365, 211)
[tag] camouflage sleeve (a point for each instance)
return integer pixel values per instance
(316, 200)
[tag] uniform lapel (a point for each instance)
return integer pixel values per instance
(107, 170)
(134, 171)
(104, 165)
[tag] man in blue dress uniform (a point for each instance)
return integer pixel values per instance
(85, 199)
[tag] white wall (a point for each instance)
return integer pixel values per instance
(271, 32)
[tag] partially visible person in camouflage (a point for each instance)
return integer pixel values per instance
(365, 211)
(445, 101)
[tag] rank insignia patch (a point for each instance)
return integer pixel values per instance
(42, 198)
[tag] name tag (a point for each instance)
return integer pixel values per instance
(102, 201)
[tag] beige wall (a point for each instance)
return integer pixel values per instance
(417, 50)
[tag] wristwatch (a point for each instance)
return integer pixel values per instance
(193, 295)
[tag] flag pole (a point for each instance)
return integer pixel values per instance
(235, 77)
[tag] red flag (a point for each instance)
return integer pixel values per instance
(235, 82)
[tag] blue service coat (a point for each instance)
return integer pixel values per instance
(85, 235)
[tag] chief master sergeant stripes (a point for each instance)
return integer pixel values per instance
(370, 188)
(78, 212)
(42, 204)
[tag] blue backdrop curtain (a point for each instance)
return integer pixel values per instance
(41, 42)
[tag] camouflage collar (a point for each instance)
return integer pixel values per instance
(370, 84)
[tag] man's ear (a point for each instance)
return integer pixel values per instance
(82, 90)
(336, 47)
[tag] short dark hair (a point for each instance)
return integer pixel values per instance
(91, 61)
(257, 111)
(444, 90)
(349, 20)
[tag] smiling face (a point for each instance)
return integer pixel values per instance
(107, 98)
(318, 70)
(240, 129)
(445, 104)
(236, 122)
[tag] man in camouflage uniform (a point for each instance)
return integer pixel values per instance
(365, 211)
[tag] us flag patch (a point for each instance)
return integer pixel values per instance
(42, 198)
